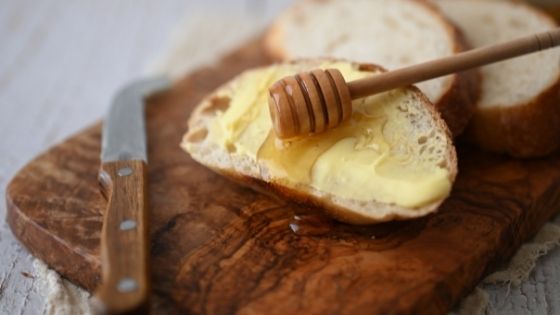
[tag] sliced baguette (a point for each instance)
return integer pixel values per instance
(392, 33)
(518, 112)
(423, 129)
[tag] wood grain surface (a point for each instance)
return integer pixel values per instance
(220, 248)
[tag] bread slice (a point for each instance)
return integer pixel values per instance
(411, 141)
(393, 34)
(518, 112)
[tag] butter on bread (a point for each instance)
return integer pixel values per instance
(393, 160)
(518, 112)
(391, 33)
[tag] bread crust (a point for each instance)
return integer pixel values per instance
(524, 130)
(456, 105)
(306, 200)
(305, 197)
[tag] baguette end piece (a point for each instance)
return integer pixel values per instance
(518, 111)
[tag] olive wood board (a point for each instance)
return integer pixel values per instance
(220, 248)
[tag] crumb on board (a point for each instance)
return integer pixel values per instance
(27, 275)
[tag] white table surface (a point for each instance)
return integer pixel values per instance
(60, 63)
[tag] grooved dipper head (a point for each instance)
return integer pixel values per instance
(309, 103)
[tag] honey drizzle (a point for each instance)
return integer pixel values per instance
(296, 157)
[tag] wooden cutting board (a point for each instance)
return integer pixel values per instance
(219, 248)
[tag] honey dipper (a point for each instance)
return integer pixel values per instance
(315, 101)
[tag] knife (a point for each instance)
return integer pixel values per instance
(125, 283)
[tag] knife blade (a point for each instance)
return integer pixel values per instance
(124, 132)
(125, 283)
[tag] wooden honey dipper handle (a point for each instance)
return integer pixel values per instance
(313, 102)
(463, 61)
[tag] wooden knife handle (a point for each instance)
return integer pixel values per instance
(124, 240)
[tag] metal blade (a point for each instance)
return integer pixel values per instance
(124, 131)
